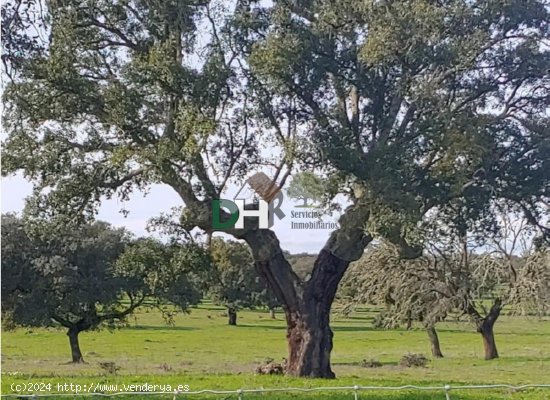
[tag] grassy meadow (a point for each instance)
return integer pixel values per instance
(202, 351)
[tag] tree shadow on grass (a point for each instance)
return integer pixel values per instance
(512, 358)
(353, 329)
(357, 318)
(274, 327)
(358, 364)
(160, 328)
(334, 328)
(471, 329)
(210, 308)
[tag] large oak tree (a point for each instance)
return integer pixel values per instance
(417, 106)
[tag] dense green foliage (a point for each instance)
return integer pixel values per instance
(432, 106)
(165, 274)
(63, 279)
(85, 277)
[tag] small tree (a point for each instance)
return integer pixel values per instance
(67, 279)
(74, 277)
(306, 186)
(233, 279)
(268, 299)
(513, 270)
(406, 288)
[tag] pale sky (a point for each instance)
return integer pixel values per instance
(14, 190)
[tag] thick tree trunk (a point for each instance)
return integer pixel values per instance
(489, 344)
(308, 316)
(307, 302)
(309, 342)
(434, 342)
(75, 346)
(232, 314)
(272, 313)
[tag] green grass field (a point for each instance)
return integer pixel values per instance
(202, 351)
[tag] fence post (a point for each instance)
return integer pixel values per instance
(355, 393)
(240, 394)
(447, 390)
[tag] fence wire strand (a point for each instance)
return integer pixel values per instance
(241, 393)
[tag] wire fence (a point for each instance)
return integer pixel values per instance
(352, 391)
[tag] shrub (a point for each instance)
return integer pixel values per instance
(413, 360)
(109, 367)
(270, 367)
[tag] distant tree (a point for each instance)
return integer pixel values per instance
(405, 288)
(273, 309)
(167, 275)
(457, 273)
(81, 279)
(18, 252)
(233, 281)
(67, 279)
(511, 267)
(306, 186)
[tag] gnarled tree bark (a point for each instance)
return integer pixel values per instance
(309, 334)
(307, 302)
